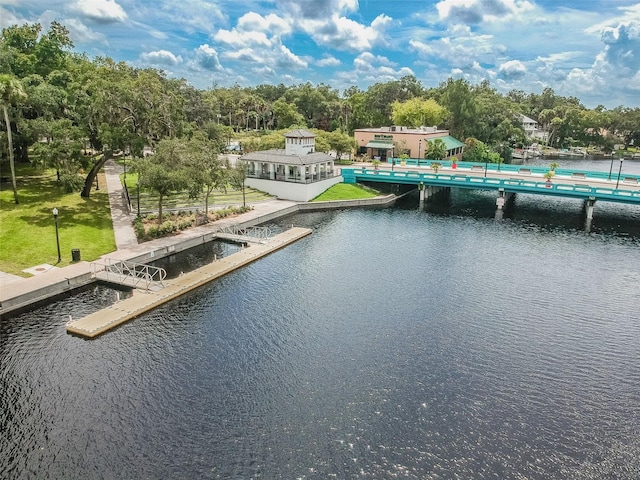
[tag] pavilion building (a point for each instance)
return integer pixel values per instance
(296, 173)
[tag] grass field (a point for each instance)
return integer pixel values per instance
(27, 230)
(181, 200)
(346, 191)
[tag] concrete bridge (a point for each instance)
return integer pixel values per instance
(506, 180)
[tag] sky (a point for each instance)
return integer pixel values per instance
(589, 49)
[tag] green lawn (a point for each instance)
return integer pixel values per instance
(181, 200)
(346, 191)
(27, 230)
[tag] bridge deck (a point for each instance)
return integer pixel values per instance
(125, 310)
(511, 178)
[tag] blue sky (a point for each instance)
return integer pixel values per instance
(589, 49)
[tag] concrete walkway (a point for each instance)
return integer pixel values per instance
(120, 214)
(17, 292)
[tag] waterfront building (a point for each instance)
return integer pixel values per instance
(296, 172)
(385, 142)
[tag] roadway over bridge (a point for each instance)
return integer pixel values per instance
(507, 180)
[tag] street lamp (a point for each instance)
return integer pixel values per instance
(419, 149)
(619, 172)
(486, 163)
(138, 195)
(55, 219)
(611, 166)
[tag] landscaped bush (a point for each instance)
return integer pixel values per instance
(147, 228)
(71, 182)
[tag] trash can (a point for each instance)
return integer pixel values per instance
(75, 254)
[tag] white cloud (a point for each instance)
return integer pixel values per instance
(207, 57)
(377, 68)
(161, 57)
(101, 11)
(317, 9)
(328, 61)
(512, 69)
(343, 33)
(79, 32)
(240, 39)
(252, 22)
(7, 18)
(478, 11)
(460, 51)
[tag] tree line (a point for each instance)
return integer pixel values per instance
(65, 111)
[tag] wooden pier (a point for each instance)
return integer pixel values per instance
(125, 310)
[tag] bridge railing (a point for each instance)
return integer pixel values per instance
(255, 232)
(523, 169)
(525, 185)
(137, 275)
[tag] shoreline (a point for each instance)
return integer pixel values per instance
(27, 293)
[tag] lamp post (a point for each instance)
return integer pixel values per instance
(486, 163)
(138, 195)
(419, 150)
(611, 166)
(55, 219)
(619, 172)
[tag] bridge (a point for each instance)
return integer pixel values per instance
(129, 274)
(235, 233)
(507, 180)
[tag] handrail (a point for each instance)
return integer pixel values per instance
(529, 184)
(255, 232)
(142, 275)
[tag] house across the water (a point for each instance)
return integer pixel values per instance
(296, 173)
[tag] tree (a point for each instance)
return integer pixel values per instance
(166, 171)
(340, 143)
(11, 91)
(237, 177)
(208, 171)
(418, 112)
(287, 114)
(458, 98)
(436, 150)
(62, 150)
(379, 98)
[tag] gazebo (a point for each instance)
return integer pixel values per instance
(296, 172)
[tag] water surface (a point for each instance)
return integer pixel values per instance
(390, 343)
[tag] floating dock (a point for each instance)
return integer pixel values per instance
(125, 310)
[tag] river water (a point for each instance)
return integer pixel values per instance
(391, 343)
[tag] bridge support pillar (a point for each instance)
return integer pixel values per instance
(502, 202)
(503, 199)
(588, 208)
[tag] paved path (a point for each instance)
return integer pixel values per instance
(13, 288)
(120, 214)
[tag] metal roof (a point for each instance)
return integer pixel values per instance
(278, 155)
(300, 133)
(450, 142)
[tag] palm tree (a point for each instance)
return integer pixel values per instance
(436, 150)
(10, 90)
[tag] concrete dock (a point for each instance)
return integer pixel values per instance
(125, 310)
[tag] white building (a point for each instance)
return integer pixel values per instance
(296, 173)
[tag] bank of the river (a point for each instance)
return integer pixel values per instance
(19, 294)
